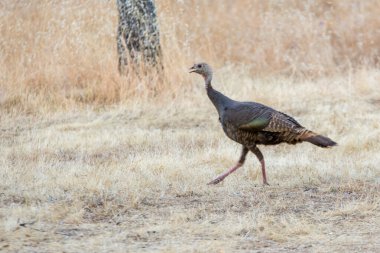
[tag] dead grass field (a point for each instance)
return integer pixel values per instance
(94, 162)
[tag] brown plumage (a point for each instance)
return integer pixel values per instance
(252, 124)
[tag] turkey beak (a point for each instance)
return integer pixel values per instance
(192, 69)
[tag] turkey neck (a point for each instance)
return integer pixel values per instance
(220, 101)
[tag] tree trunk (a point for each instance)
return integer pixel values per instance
(138, 33)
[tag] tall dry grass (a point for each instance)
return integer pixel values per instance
(57, 54)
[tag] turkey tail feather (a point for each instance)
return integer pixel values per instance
(318, 140)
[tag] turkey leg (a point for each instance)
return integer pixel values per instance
(260, 156)
(237, 166)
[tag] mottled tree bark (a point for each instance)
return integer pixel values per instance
(138, 37)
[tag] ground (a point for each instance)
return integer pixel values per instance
(133, 177)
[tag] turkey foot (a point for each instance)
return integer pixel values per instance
(216, 180)
(225, 174)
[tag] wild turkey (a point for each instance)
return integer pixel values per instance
(252, 124)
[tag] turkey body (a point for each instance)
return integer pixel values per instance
(251, 123)
(263, 134)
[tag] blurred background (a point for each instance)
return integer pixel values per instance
(63, 53)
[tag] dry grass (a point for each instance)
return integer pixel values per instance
(91, 161)
(62, 54)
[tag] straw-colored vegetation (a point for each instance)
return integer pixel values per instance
(96, 162)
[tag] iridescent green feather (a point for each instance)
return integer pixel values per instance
(256, 124)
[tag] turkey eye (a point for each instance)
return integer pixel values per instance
(199, 66)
